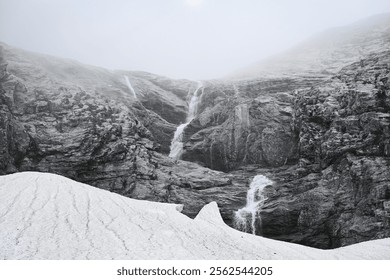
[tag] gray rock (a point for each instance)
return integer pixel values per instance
(339, 192)
(53, 118)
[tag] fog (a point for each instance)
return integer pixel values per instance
(195, 39)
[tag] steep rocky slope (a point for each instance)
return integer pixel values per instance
(250, 121)
(339, 192)
(326, 147)
(83, 122)
(64, 110)
(156, 98)
(323, 137)
(46, 216)
(238, 123)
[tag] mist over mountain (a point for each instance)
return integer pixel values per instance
(201, 39)
(324, 54)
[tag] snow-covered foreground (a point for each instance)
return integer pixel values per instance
(46, 216)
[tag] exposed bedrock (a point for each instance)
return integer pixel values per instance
(246, 122)
(98, 133)
(339, 193)
(346, 203)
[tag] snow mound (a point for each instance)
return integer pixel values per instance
(210, 214)
(46, 216)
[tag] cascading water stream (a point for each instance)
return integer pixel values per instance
(130, 86)
(177, 141)
(246, 217)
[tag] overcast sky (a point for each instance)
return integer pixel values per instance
(195, 39)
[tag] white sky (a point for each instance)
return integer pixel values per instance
(195, 39)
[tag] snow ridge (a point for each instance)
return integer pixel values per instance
(47, 216)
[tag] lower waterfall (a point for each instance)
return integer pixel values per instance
(246, 217)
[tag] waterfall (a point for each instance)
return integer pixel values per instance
(245, 218)
(177, 141)
(130, 86)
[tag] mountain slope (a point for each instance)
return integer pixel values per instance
(326, 53)
(37, 75)
(46, 216)
(83, 122)
(323, 141)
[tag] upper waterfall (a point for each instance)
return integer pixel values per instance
(130, 86)
(177, 141)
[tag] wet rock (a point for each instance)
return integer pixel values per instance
(247, 122)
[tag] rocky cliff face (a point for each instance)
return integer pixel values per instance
(247, 122)
(350, 113)
(159, 102)
(82, 122)
(339, 193)
(50, 120)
